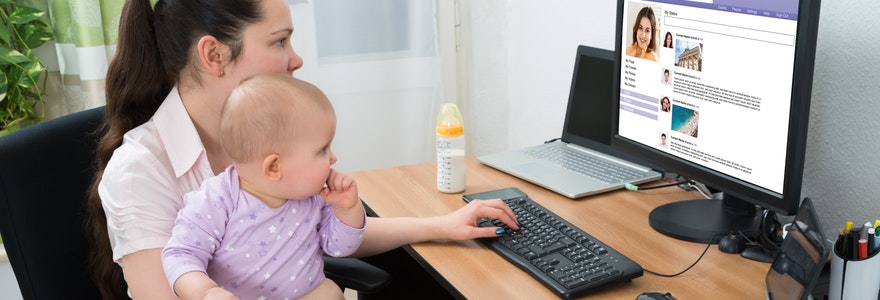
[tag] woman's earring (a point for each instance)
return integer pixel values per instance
(222, 73)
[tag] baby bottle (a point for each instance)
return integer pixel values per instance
(450, 150)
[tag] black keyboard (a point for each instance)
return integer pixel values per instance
(561, 256)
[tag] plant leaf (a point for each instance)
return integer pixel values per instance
(35, 34)
(3, 86)
(11, 56)
(6, 1)
(4, 37)
(14, 79)
(30, 74)
(23, 14)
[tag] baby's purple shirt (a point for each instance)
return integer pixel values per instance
(253, 250)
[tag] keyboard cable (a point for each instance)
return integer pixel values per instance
(689, 184)
(686, 269)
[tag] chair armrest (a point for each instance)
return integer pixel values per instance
(355, 274)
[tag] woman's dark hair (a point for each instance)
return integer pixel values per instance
(153, 47)
(667, 37)
(645, 12)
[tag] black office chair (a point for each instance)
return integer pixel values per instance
(45, 171)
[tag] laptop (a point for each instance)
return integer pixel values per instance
(586, 139)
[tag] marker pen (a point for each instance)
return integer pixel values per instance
(863, 249)
(848, 227)
(841, 242)
(854, 242)
(872, 241)
(876, 240)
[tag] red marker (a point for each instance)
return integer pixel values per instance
(863, 248)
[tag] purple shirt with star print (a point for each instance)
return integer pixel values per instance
(250, 249)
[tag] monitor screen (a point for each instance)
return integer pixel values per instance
(718, 91)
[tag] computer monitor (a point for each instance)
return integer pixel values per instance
(717, 91)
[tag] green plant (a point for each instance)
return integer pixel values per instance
(21, 87)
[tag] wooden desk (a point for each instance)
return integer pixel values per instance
(619, 219)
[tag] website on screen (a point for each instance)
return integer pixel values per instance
(710, 82)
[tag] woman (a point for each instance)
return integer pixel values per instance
(667, 42)
(643, 41)
(173, 69)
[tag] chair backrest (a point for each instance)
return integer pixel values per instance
(45, 171)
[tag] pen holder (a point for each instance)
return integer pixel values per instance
(854, 279)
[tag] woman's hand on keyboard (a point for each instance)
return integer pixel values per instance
(462, 224)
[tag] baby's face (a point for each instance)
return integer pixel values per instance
(306, 163)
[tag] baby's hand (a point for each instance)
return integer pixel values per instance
(341, 191)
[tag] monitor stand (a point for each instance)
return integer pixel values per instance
(704, 220)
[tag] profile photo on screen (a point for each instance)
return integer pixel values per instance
(665, 104)
(665, 79)
(667, 41)
(644, 42)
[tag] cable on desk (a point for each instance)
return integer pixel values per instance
(689, 267)
(633, 187)
(678, 180)
(686, 269)
(685, 183)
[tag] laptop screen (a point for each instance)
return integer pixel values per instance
(588, 117)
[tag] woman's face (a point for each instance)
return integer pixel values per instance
(645, 30)
(266, 45)
(668, 40)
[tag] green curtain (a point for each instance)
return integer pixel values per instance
(77, 57)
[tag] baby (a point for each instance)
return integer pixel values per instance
(258, 230)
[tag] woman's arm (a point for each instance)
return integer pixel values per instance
(146, 279)
(144, 275)
(383, 234)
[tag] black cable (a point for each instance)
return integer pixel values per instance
(550, 141)
(689, 267)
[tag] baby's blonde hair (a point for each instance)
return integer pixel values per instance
(263, 115)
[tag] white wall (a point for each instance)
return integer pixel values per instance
(385, 101)
(521, 53)
(522, 57)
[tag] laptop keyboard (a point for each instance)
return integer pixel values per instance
(584, 164)
(558, 254)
